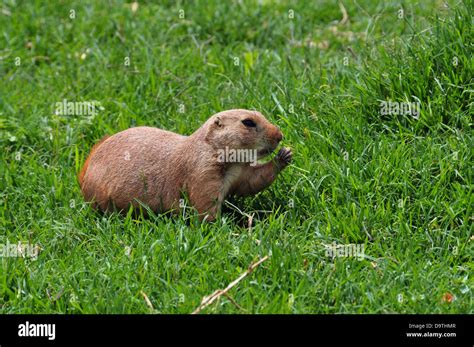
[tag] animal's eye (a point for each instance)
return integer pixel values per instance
(249, 123)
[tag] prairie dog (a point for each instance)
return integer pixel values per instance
(156, 167)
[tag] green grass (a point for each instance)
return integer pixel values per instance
(400, 186)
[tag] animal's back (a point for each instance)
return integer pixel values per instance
(129, 165)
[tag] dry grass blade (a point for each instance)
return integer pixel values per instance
(147, 300)
(345, 16)
(208, 300)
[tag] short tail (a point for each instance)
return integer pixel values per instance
(81, 174)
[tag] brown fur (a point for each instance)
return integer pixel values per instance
(80, 176)
(156, 167)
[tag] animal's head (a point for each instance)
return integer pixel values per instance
(243, 129)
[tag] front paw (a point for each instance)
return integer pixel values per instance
(283, 158)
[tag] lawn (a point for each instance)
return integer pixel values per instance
(366, 170)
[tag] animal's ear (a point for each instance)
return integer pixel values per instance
(218, 121)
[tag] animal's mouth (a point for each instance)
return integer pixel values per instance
(265, 151)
